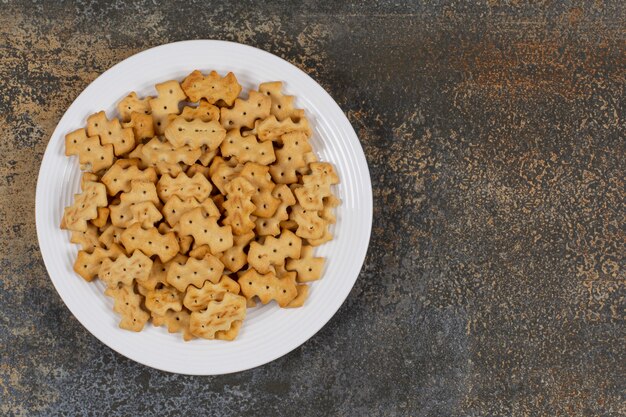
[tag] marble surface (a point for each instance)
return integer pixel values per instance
(495, 279)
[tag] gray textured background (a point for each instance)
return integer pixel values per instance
(495, 279)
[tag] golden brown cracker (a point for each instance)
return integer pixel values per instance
(175, 321)
(236, 258)
(203, 111)
(184, 187)
(239, 206)
(245, 112)
(218, 316)
(222, 171)
(195, 272)
(92, 155)
(271, 129)
(205, 230)
(142, 125)
(88, 264)
(269, 287)
(258, 175)
(247, 148)
(85, 207)
(195, 133)
(282, 105)
(122, 214)
(122, 172)
(290, 158)
(161, 300)
(175, 207)
(157, 151)
(310, 224)
(300, 299)
(308, 267)
(273, 251)
(127, 303)
(111, 132)
(169, 97)
(197, 299)
(88, 240)
(271, 226)
(124, 270)
(133, 104)
(212, 87)
(150, 242)
(102, 218)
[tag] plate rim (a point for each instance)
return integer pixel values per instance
(367, 204)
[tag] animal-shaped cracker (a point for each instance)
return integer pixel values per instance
(271, 226)
(212, 87)
(133, 104)
(245, 112)
(239, 206)
(195, 133)
(184, 187)
(195, 272)
(282, 105)
(101, 219)
(203, 111)
(88, 264)
(92, 156)
(316, 186)
(122, 214)
(142, 125)
(169, 96)
(218, 316)
(111, 132)
(175, 321)
(274, 251)
(88, 240)
(205, 230)
(197, 299)
(85, 207)
(122, 172)
(269, 287)
(161, 300)
(158, 151)
(150, 242)
(128, 305)
(266, 204)
(222, 171)
(307, 267)
(124, 270)
(290, 158)
(272, 129)
(235, 258)
(176, 207)
(310, 224)
(247, 148)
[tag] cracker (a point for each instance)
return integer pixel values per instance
(184, 242)
(133, 104)
(212, 87)
(127, 303)
(316, 186)
(193, 169)
(161, 300)
(308, 267)
(169, 97)
(218, 316)
(162, 151)
(195, 133)
(142, 125)
(111, 132)
(184, 187)
(200, 252)
(328, 212)
(205, 230)
(195, 272)
(274, 251)
(272, 129)
(239, 206)
(266, 204)
(110, 235)
(123, 215)
(86, 178)
(235, 258)
(146, 214)
(122, 172)
(245, 112)
(150, 242)
(176, 207)
(197, 299)
(222, 171)
(207, 156)
(175, 321)
(88, 240)
(101, 219)
(158, 273)
(88, 264)
(247, 148)
(92, 155)
(290, 158)
(268, 287)
(310, 224)
(326, 237)
(85, 207)
(124, 270)
(203, 111)
(231, 333)
(282, 105)
(271, 226)
(300, 299)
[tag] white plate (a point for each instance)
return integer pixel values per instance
(268, 332)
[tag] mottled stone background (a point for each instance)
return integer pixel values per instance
(495, 279)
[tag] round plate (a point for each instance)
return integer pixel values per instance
(268, 332)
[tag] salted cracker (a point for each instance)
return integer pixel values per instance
(169, 96)
(150, 242)
(247, 148)
(85, 207)
(273, 251)
(111, 132)
(194, 133)
(245, 112)
(92, 155)
(205, 230)
(218, 316)
(211, 87)
(127, 303)
(268, 287)
(195, 272)
(197, 299)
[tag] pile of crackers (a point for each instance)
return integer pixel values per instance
(196, 204)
